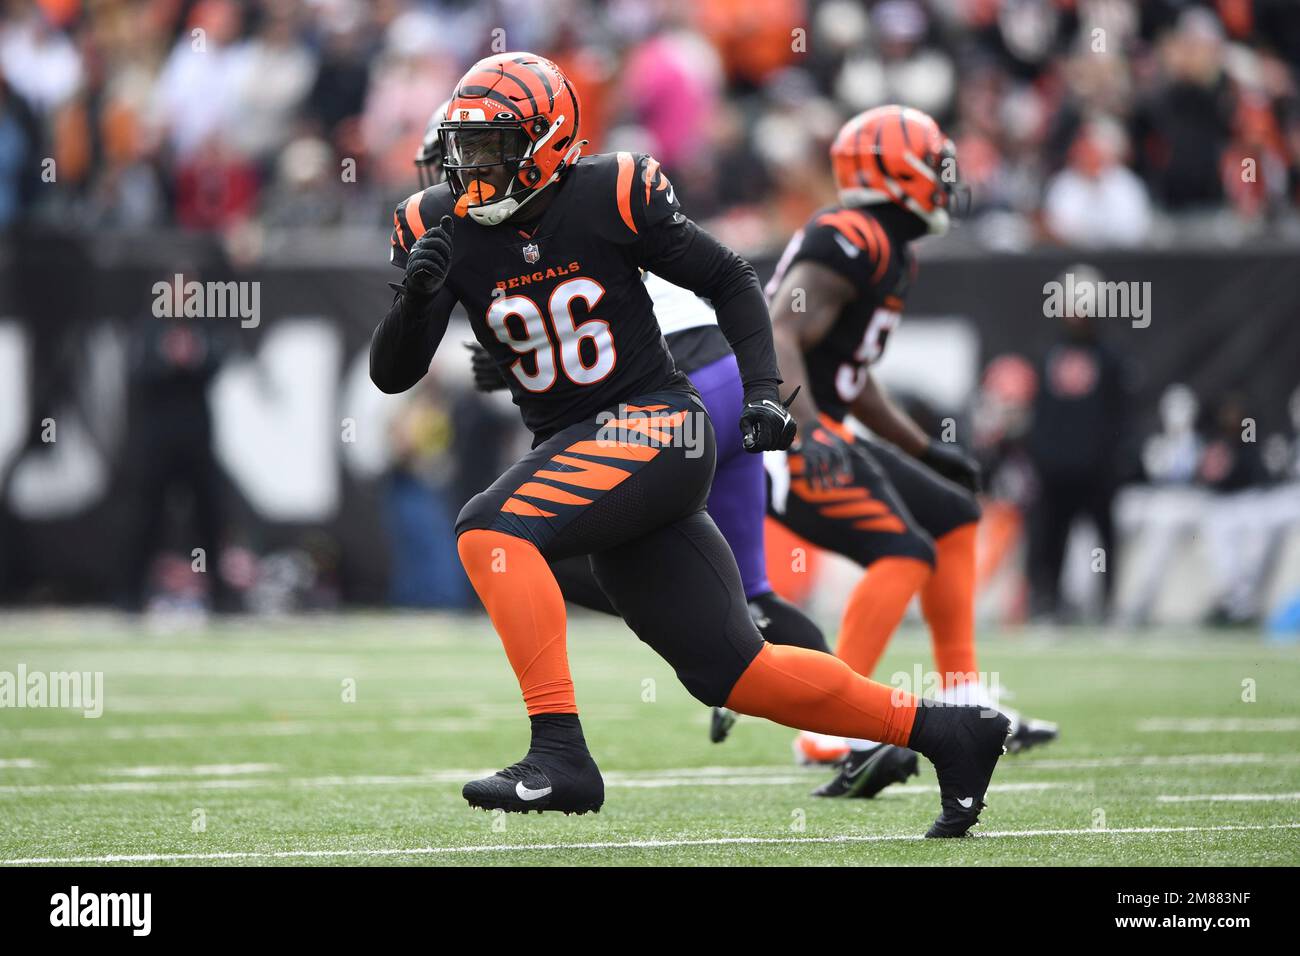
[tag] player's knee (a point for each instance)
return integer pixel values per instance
(473, 539)
(710, 678)
(709, 691)
(780, 622)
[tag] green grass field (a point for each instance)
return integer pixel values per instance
(235, 744)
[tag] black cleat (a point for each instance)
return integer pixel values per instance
(864, 773)
(1029, 732)
(557, 773)
(964, 744)
(720, 724)
(527, 786)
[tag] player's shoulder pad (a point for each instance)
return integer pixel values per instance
(631, 192)
(414, 215)
(850, 241)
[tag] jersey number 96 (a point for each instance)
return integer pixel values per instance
(543, 339)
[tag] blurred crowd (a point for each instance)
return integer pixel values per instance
(1086, 122)
(1062, 446)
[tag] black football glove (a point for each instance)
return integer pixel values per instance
(767, 425)
(429, 259)
(487, 376)
(953, 463)
(827, 459)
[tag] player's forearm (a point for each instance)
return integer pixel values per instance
(874, 409)
(744, 322)
(694, 260)
(404, 342)
(794, 374)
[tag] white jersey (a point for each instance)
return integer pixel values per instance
(676, 308)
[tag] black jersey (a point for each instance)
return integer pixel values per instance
(862, 248)
(562, 308)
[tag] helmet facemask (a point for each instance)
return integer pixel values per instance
(490, 165)
(952, 198)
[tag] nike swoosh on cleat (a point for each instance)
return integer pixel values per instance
(967, 803)
(854, 774)
(525, 794)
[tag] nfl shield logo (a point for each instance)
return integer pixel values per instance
(532, 253)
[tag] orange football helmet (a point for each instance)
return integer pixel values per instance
(897, 154)
(509, 131)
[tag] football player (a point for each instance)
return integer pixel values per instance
(737, 498)
(903, 506)
(544, 249)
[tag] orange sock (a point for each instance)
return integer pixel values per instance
(524, 602)
(948, 602)
(876, 606)
(813, 691)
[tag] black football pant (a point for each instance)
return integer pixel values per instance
(894, 506)
(627, 490)
(779, 621)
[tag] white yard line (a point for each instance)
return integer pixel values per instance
(1227, 797)
(220, 776)
(19, 763)
(625, 845)
(438, 777)
(206, 770)
(1217, 725)
(270, 728)
(656, 781)
(293, 727)
(1153, 760)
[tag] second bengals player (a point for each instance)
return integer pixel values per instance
(901, 505)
